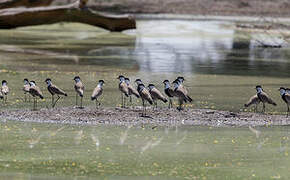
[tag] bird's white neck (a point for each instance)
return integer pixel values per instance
(175, 85)
(167, 85)
(282, 92)
(259, 90)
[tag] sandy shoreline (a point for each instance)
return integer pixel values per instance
(160, 117)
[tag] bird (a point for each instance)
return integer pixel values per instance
(98, 91)
(181, 93)
(4, 90)
(132, 90)
(54, 90)
(26, 88)
(35, 92)
(180, 84)
(156, 94)
(253, 100)
(138, 81)
(123, 88)
(286, 98)
(145, 96)
(263, 97)
(79, 88)
(169, 92)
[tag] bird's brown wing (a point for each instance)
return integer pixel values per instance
(183, 89)
(124, 88)
(156, 94)
(253, 100)
(55, 90)
(35, 91)
(97, 92)
(266, 98)
(133, 91)
(145, 94)
(79, 88)
(172, 92)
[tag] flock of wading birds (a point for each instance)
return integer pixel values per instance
(150, 94)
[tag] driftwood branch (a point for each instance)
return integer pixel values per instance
(75, 12)
(4, 4)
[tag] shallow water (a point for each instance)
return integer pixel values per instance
(221, 64)
(51, 151)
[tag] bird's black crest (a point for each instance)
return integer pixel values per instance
(165, 81)
(47, 79)
(76, 77)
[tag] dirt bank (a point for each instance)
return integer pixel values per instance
(118, 116)
(197, 7)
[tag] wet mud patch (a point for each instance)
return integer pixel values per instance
(133, 116)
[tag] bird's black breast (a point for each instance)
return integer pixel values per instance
(284, 98)
(259, 96)
(167, 92)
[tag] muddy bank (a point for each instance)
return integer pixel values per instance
(162, 117)
(277, 8)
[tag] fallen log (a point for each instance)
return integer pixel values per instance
(75, 12)
(4, 4)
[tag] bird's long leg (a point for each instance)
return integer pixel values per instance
(25, 97)
(29, 97)
(34, 108)
(52, 100)
(82, 102)
(287, 110)
(131, 99)
(256, 108)
(143, 105)
(98, 104)
(170, 103)
(76, 99)
(125, 100)
(56, 101)
(36, 102)
(264, 107)
(122, 96)
(180, 101)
